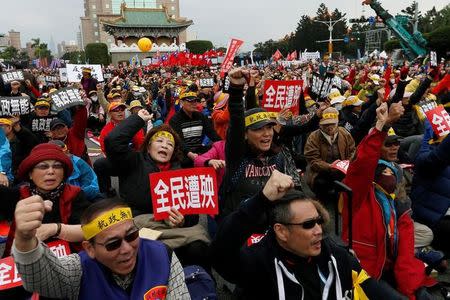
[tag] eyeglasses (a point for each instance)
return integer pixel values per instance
(308, 224)
(396, 144)
(55, 166)
(115, 244)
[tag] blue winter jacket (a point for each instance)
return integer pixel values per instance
(5, 156)
(430, 192)
(84, 177)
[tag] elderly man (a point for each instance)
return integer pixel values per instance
(324, 146)
(294, 260)
(115, 263)
(191, 125)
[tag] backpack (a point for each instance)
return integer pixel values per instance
(199, 283)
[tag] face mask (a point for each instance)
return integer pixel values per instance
(387, 182)
(94, 98)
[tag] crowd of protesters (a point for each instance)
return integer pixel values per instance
(276, 173)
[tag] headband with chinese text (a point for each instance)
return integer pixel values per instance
(188, 94)
(105, 221)
(163, 134)
(256, 117)
(330, 116)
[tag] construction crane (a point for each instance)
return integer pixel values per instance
(413, 45)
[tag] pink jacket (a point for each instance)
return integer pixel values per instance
(217, 151)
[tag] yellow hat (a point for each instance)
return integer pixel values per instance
(412, 86)
(188, 96)
(352, 100)
(116, 95)
(4, 121)
(135, 103)
(329, 116)
(309, 103)
(86, 70)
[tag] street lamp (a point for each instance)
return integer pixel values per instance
(330, 24)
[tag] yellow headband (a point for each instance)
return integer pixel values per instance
(164, 134)
(256, 117)
(42, 103)
(5, 121)
(189, 94)
(330, 116)
(105, 221)
(273, 114)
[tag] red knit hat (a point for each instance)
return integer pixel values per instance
(44, 152)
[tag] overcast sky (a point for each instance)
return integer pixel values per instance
(215, 20)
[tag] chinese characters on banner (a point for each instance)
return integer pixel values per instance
(9, 276)
(439, 120)
(341, 165)
(74, 72)
(191, 191)
(52, 79)
(11, 76)
(227, 63)
(206, 82)
(66, 97)
(281, 94)
(41, 124)
(424, 106)
(14, 106)
(255, 238)
(320, 85)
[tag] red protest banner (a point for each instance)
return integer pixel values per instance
(9, 276)
(341, 165)
(227, 63)
(281, 94)
(439, 120)
(191, 191)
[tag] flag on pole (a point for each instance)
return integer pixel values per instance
(277, 55)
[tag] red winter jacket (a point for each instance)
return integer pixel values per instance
(369, 231)
(138, 138)
(65, 203)
(75, 136)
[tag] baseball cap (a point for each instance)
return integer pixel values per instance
(56, 122)
(352, 101)
(256, 118)
(329, 116)
(392, 137)
(114, 105)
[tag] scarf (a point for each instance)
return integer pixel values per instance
(164, 167)
(52, 195)
(389, 217)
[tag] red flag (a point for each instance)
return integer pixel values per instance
(387, 86)
(294, 55)
(277, 55)
(227, 63)
(288, 57)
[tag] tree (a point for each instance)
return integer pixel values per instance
(438, 40)
(41, 51)
(97, 53)
(74, 57)
(199, 46)
(10, 53)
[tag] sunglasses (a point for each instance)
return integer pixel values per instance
(118, 109)
(308, 224)
(397, 144)
(43, 167)
(115, 244)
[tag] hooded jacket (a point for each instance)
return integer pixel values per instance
(369, 228)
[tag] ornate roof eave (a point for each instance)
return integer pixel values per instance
(144, 31)
(181, 24)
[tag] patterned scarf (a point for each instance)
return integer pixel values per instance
(52, 195)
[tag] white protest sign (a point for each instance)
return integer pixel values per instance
(74, 72)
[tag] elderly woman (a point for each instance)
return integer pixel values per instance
(160, 152)
(44, 172)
